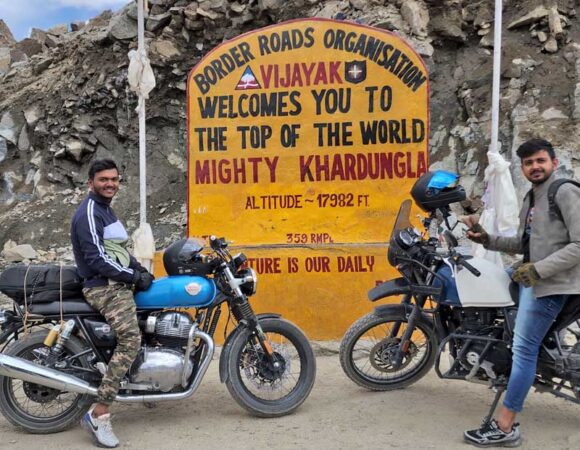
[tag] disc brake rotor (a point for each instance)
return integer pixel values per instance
(36, 392)
(40, 394)
(259, 370)
(383, 353)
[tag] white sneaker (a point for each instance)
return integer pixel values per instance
(100, 429)
(491, 435)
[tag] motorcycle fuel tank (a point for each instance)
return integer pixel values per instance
(489, 290)
(177, 291)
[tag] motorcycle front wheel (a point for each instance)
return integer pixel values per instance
(370, 345)
(265, 389)
(39, 409)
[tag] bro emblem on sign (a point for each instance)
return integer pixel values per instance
(355, 71)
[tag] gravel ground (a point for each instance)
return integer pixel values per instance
(431, 414)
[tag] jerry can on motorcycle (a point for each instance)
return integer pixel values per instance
(177, 291)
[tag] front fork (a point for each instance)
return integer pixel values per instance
(406, 301)
(405, 343)
(403, 347)
(246, 314)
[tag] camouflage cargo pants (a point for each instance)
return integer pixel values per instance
(117, 305)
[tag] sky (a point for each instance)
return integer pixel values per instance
(23, 15)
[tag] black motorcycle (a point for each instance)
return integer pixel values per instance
(50, 374)
(397, 344)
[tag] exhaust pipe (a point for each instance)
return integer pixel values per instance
(22, 369)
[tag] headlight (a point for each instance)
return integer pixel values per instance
(250, 282)
(239, 260)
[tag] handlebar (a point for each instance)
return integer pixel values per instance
(460, 261)
(458, 258)
(472, 269)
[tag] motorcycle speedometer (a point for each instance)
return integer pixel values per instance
(405, 239)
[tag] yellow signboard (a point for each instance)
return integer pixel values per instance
(303, 138)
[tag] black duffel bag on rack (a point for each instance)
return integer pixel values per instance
(40, 283)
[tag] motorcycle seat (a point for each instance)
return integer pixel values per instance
(70, 306)
(569, 314)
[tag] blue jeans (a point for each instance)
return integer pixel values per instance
(534, 319)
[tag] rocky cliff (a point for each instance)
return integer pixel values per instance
(64, 97)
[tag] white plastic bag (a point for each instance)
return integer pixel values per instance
(501, 214)
(501, 195)
(144, 246)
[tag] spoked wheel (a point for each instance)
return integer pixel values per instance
(271, 388)
(35, 408)
(369, 348)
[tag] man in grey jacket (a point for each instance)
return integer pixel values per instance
(551, 265)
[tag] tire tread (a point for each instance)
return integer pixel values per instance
(355, 331)
(252, 404)
(66, 422)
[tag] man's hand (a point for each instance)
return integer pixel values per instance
(526, 275)
(476, 232)
(142, 280)
(478, 235)
(470, 220)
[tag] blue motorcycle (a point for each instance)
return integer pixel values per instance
(59, 348)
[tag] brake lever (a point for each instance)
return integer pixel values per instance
(422, 266)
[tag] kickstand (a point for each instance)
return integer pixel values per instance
(498, 393)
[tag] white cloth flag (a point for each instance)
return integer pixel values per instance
(144, 245)
(140, 76)
(501, 213)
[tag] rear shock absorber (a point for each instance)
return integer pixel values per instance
(50, 338)
(63, 336)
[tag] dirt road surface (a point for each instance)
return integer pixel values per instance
(431, 414)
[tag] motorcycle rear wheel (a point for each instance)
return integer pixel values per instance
(369, 344)
(255, 385)
(39, 409)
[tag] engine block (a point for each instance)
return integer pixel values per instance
(159, 368)
(170, 328)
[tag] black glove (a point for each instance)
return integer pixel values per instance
(142, 280)
(142, 269)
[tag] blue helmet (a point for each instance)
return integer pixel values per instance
(435, 190)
